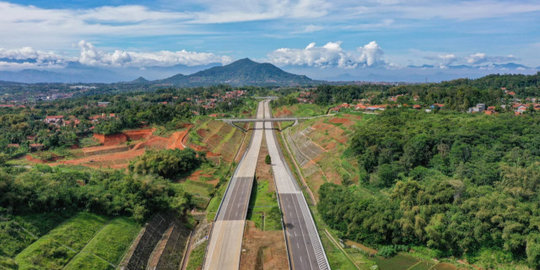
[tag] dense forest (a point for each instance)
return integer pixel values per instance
(462, 184)
(456, 95)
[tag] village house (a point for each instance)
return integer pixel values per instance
(380, 107)
(97, 118)
(54, 119)
(480, 107)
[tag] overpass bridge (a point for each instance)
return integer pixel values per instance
(232, 121)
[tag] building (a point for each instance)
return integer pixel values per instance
(54, 119)
(480, 107)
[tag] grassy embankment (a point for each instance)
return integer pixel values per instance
(85, 241)
(196, 258)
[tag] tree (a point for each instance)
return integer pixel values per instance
(166, 163)
(387, 174)
(3, 159)
(533, 250)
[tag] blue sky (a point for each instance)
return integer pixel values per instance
(321, 38)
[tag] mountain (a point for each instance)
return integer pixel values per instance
(241, 72)
(422, 66)
(510, 66)
(140, 80)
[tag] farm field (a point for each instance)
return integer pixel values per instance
(84, 241)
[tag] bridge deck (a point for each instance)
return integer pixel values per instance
(278, 119)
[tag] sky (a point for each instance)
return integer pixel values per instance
(324, 39)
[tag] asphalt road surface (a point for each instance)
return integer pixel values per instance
(303, 243)
(225, 243)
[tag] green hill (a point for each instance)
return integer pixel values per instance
(241, 72)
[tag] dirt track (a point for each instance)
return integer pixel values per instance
(116, 153)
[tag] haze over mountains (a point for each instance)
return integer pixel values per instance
(241, 72)
(247, 72)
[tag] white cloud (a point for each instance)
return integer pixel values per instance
(54, 28)
(456, 10)
(329, 55)
(223, 11)
(371, 53)
(29, 58)
(481, 58)
(310, 28)
(119, 58)
(443, 60)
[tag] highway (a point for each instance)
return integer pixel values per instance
(304, 246)
(225, 242)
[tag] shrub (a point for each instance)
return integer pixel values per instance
(166, 163)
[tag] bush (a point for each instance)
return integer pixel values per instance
(391, 250)
(3, 159)
(268, 159)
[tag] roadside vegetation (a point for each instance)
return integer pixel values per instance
(463, 185)
(167, 163)
(417, 185)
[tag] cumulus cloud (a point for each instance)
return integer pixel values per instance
(27, 57)
(329, 55)
(371, 53)
(119, 58)
(444, 60)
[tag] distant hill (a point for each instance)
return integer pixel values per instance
(140, 80)
(241, 72)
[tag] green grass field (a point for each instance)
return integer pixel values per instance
(264, 201)
(55, 249)
(201, 192)
(107, 247)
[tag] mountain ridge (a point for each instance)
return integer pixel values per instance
(239, 73)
